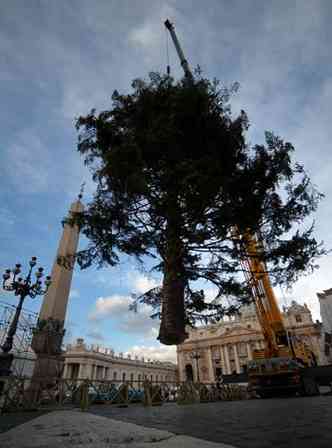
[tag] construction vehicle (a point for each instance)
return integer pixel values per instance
(281, 366)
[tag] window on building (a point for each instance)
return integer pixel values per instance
(114, 375)
(124, 376)
(151, 377)
(298, 318)
(157, 378)
(131, 377)
(139, 377)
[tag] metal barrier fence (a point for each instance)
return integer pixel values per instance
(19, 393)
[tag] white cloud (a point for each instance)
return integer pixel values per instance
(116, 307)
(305, 290)
(150, 33)
(141, 283)
(31, 166)
(144, 35)
(134, 280)
(29, 162)
(112, 306)
(161, 353)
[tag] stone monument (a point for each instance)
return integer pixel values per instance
(49, 331)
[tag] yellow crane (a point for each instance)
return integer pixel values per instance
(281, 366)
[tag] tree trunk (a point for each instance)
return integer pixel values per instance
(172, 325)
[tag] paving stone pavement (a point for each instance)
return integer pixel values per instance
(304, 422)
(288, 422)
(10, 420)
(65, 429)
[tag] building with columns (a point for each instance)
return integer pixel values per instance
(95, 363)
(226, 347)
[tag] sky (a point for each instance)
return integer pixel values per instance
(60, 59)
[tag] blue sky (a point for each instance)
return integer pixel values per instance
(60, 59)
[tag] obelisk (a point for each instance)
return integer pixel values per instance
(49, 332)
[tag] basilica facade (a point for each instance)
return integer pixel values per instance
(226, 347)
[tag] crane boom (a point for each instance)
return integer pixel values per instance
(268, 312)
(183, 60)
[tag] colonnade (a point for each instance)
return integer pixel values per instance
(92, 371)
(229, 358)
(226, 358)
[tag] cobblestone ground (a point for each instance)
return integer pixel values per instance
(280, 422)
(8, 421)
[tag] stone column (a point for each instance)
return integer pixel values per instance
(180, 356)
(65, 371)
(237, 361)
(227, 363)
(81, 371)
(89, 371)
(69, 370)
(249, 351)
(222, 360)
(195, 365)
(210, 364)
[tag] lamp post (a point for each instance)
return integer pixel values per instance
(196, 356)
(21, 287)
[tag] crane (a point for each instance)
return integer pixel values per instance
(269, 315)
(280, 366)
(184, 63)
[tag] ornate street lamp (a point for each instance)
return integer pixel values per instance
(22, 287)
(196, 356)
